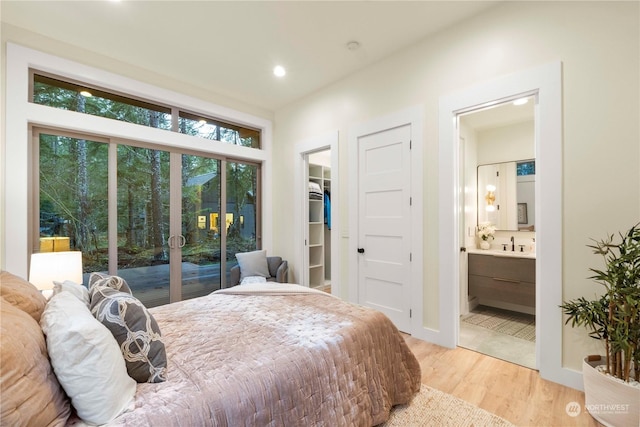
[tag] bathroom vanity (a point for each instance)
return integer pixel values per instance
(508, 277)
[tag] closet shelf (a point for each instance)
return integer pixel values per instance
(319, 235)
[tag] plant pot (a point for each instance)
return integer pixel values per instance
(484, 244)
(612, 402)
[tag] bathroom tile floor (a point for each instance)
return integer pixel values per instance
(496, 337)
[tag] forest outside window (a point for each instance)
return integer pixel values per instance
(167, 244)
(57, 92)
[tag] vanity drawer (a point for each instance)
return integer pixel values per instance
(499, 267)
(522, 293)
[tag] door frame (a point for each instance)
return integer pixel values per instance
(546, 82)
(327, 141)
(414, 117)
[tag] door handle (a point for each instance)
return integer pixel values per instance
(463, 249)
(360, 250)
(181, 242)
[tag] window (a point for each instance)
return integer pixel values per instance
(207, 128)
(74, 97)
(169, 229)
(22, 158)
(57, 92)
(526, 168)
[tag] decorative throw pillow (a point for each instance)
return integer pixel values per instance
(135, 330)
(79, 291)
(253, 264)
(115, 282)
(31, 394)
(22, 294)
(86, 360)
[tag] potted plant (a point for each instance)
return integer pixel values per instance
(612, 388)
(486, 230)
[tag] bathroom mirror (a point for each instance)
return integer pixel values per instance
(500, 146)
(506, 195)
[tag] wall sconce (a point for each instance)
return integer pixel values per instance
(490, 198)
(47, 267)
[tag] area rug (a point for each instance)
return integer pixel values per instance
(519, 325)
(431, 407)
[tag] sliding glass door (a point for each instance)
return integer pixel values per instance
(241, 210)
(201, 237)
(167, 222)
(143, 200)
(71, 202)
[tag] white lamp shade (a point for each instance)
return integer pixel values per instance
(59, 266)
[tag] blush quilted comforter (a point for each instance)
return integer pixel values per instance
(287, 357)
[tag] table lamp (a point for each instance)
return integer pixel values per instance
(47, 267)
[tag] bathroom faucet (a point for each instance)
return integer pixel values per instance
(513, 245)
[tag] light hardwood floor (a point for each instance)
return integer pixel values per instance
(513, 392)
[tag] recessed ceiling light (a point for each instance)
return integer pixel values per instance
(279, 71)
(521, 101)
(86, 93)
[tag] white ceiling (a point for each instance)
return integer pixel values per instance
(503, 114)
(231, 47)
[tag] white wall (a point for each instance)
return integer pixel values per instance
(598, 44)
(506, 143)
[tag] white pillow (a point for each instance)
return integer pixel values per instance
(253, 264)
(86, 359)
(253, 279)
(79, 291)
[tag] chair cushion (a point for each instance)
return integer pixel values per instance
(135, 330)
(22, 294)
(31, 394)
(253, 264)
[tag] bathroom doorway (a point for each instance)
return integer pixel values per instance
(497, 284)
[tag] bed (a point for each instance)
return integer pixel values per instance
(270, 355)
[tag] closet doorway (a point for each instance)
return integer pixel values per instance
(316, 261)
(318, 239)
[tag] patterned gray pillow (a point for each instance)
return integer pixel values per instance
(115, 282)
(135, 330)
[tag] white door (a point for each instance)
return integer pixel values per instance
(384, 223)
